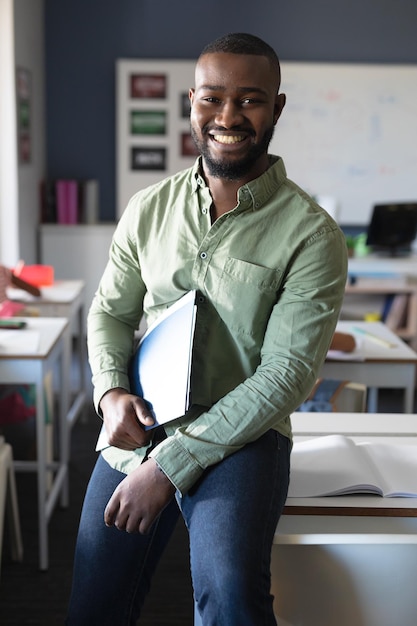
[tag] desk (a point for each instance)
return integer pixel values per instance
(351, 559)
(380, 367)
(36, 351)
(65, 298)
(378, 266)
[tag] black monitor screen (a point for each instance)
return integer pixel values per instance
(393, 227)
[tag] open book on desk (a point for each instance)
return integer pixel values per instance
(335, 465)
(161, 366)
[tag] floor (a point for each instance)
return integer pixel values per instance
(28, 596)
(31, 597)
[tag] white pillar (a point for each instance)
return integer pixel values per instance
(9, 206)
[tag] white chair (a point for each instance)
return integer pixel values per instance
(8, 502)
(329, 395)
(352, 398)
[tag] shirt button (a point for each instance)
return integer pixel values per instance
(201, 299)
(204, 211)
(203, 255)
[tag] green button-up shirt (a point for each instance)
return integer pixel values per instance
(270, 277)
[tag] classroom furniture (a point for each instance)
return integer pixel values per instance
(336, 395)
(386, 287)
(375, 364)
(27, 356)
(8, 502)
(77, 250)
(64, 298)
(349, 559)
(393, 300)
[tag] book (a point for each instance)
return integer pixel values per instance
(335, 465)
(67, 201)
(160, 369)
(61, 202)
(89, 201)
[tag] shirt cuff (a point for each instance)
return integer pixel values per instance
(177, 463)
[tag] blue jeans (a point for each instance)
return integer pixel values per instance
(231, 515)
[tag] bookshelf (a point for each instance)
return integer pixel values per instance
(393, 300)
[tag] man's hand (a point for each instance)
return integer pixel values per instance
(123, 416)
(139, 499)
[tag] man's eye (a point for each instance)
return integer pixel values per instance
(211, 99)
(250, 101)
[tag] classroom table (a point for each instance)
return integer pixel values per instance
(64, 298)
(348, 559)
(381, 361)
(27, 356)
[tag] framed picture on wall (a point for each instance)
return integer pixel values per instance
(148, 158)
(148, 85)
(148, 122)
(185, 105)
(153, 123)
(24, 114)
(188, 147)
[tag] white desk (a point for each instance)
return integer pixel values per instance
(351, 559)
(65, 298)
(27, 359)
(378, 266)
(379, 367)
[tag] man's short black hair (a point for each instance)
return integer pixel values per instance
(243, 43)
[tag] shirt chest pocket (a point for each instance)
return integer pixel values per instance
(246, 295)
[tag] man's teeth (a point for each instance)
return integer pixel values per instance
(228, 138)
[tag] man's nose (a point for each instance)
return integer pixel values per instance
(228, 115)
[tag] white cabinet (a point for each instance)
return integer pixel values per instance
(76, 252)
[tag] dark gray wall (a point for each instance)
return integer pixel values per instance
(83, 38)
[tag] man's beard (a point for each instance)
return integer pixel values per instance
(233, 170)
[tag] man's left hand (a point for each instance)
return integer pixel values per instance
(139, 499)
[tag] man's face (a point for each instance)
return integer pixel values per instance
(234, 109)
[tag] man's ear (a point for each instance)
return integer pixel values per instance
(280, 100)
(191, 94)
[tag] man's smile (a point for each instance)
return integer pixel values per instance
(229, 139)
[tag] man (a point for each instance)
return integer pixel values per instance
(269, 268)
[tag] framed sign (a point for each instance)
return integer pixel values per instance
(153, 128)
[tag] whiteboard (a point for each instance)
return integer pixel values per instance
(348, 131)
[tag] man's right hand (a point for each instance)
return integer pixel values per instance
(125, 416)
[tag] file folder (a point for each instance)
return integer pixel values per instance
(160, 369)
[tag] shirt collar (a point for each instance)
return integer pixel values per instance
(256, 192)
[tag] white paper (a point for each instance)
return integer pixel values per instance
(20, 341)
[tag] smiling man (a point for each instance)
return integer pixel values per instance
(269, 268)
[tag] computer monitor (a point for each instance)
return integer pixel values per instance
(393, 228)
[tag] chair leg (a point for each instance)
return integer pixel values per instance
(9, 503)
